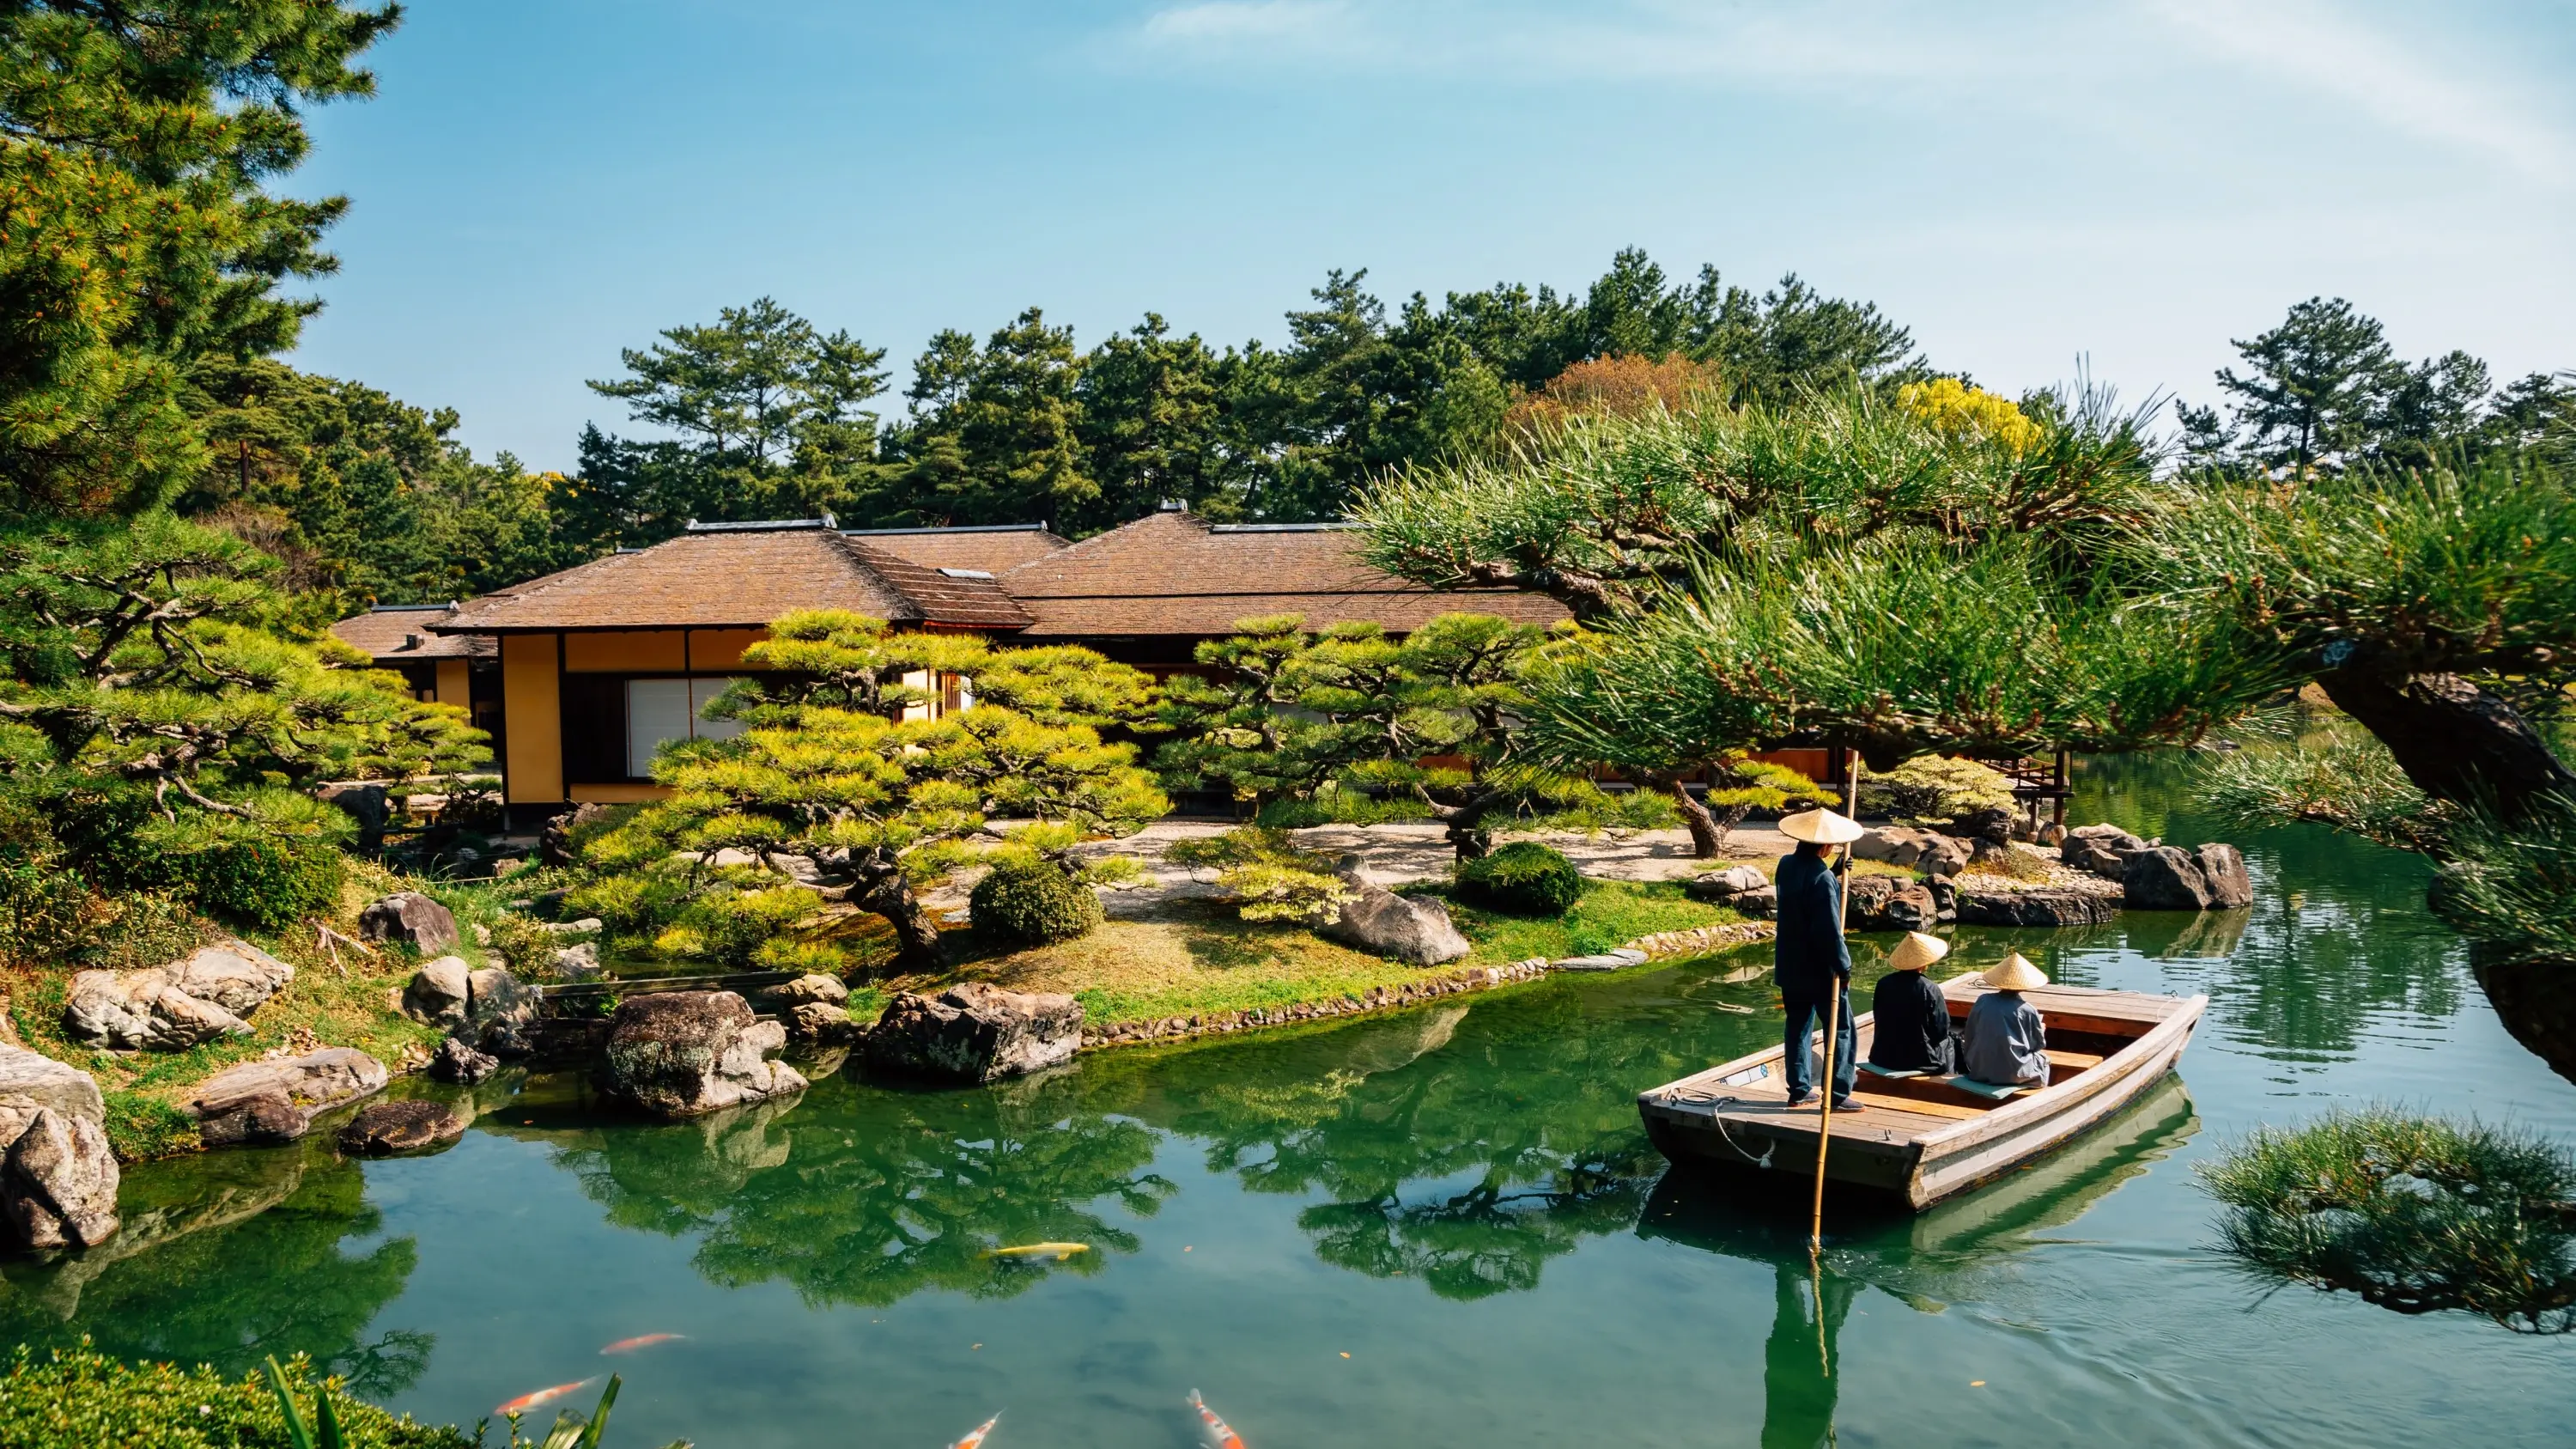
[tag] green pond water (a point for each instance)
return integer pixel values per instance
(1439, 1227)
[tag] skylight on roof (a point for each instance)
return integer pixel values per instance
(968, 573)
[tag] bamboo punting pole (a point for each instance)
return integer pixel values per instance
(1833, 1000)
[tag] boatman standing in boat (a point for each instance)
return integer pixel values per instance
(1809, 959)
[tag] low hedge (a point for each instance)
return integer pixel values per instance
(1523, 878)
(1033, 902)
(81, 1399)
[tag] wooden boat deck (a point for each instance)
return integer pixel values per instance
(1922, 1138)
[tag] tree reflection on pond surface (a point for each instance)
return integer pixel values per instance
(279, 1228)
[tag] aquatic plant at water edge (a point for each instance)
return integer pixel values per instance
(77, 1398)
(2418, 1215)
(1523, 878)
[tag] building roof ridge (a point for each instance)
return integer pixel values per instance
(1064, 554)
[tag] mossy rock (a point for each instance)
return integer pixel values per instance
(1523, 878)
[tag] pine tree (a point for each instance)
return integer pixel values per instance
(136, 233)
(2313, 386)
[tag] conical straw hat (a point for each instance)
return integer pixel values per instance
(2015, 974)
(1821, 827)
(1917, 951)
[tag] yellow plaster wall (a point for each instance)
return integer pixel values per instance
(453, 687)
(614, 794)
(719, 651)
(640, 651)
(533, 704)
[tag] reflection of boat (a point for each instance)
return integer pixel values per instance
(1927, 1138)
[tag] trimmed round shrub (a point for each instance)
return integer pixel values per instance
(1523, 878)
(1032, 902)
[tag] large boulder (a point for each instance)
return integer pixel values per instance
(974, 1032)
(1399, 928)
(439, 992)
(819, 1023)
(1994, 822)
(811, 989)
(2102, 849)
(2043, 906)
(58, 1182)
(457, 1060)
(382, 1129)
(578, 962)
(2164, 878)
(1894, 844)
(364, 802)
(1725, 885)
(263, 1103)
(1890, 903)
(682, 1053)
(1761, 905)
(410, 918)
(554, 841)
(29, 1080)
(201, 996)
(499, 1009)
(232, 974)
(2223, 868)
(142, 1011)
(57, 1177)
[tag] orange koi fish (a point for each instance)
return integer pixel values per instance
(1225, 1438)
(977, 1437)
(543, 1397)
(642, 1340)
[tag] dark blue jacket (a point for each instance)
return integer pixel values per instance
(1809, 951)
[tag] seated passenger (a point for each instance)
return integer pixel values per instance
(2007, 1044)
(1913, 1017)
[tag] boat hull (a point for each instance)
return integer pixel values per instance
(1733, 1116)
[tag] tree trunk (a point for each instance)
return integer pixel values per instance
(886, 892)
(1707, 836)
(2536, 1000)
(2454, 740)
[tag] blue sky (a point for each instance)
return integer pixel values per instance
(541, 182)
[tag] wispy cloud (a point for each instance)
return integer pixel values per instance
(1630, 39)
(2332, 52)
(2067, 62)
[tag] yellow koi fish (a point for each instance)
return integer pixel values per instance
(1225, 1437)
(1057, 1251)
(542, 1397)
(977, 1437)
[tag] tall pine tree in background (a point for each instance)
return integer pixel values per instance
(136, 233)
(2324, 391)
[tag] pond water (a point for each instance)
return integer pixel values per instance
(1441, 1227)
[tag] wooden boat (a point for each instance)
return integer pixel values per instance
(1927, 1138)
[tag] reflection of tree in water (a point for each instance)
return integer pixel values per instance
(1465, 1146)
(868, 1197)
(228, 1258)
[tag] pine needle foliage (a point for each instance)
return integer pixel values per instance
(1598, 508)
(2413, 1214)
(827, 771)
(2462, 568)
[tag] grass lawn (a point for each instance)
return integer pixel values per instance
(1206, 961)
